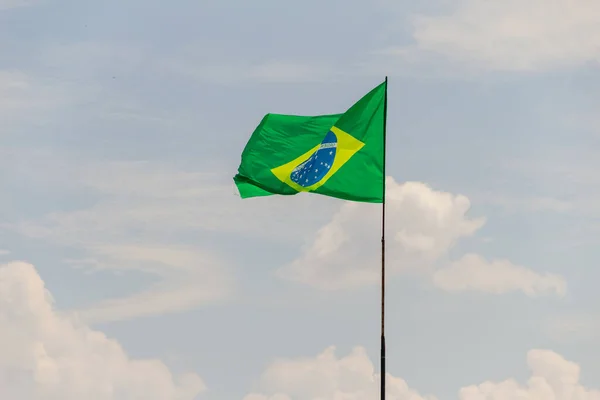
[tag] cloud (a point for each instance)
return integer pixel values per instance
(137, 225)
(24, 95)
(46, 355)
(8, 4)
(4, 252)
(552, 377)
(87, 75)
(472, 272)
(423, 224)
(144, 216)
(353, 377)
(153, 200)
(513, 35)
(188, 279)
(328, 377)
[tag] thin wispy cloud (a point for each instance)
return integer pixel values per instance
(514, 36)
(153, 205)
(328, 376)
(9, 4)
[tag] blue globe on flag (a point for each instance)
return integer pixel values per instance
(318, 164)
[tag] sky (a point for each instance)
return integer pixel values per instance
(131, 269)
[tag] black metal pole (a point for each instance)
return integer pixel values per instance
(382, 368)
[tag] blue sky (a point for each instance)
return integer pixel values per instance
(122, 124)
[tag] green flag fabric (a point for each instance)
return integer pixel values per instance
(339, 155)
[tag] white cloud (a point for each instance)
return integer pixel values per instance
(514, 34)
(327, 377)
(132, 228)
(188, 279)
(473, 272)
(154, 200)
(22, 95)
(353, 377)
(423, 224)
(4, 252)
(79, 71)
(46, 355)
(552, 377)
(142, 209)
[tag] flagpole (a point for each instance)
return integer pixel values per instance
(382, 367)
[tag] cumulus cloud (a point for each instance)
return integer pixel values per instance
(353, 377)
(515, 35)
(552, 377)
(326, 376)
(473, 272)
(423, 225)
(46, 355)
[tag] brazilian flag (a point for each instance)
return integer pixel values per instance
(339, 155)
